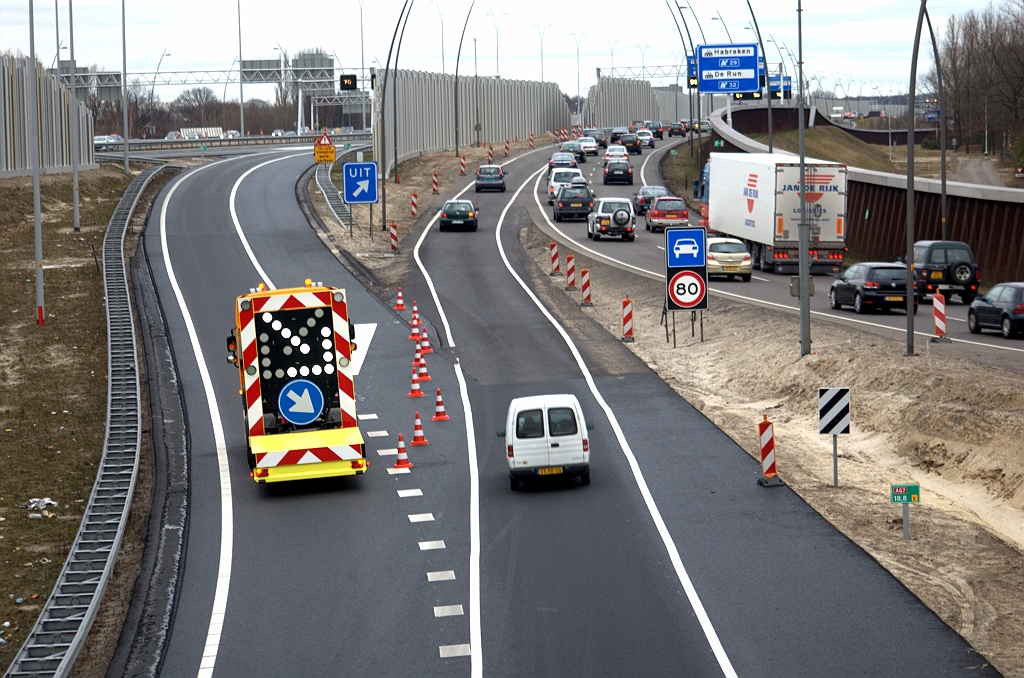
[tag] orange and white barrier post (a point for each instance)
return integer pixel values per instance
(627, 320)
(939, 315)
(439, 413)
(490, 153)
(400, 304)
(417, 434)
(570, 272)
(394, 236)
(415, 204)
(766, 441)
(555, 270)
(531, 139)
(462, 165)
(585, 285)
(433, 183)
(506, 148)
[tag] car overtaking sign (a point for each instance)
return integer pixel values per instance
(686, 273)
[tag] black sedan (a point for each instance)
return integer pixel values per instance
(618, 172)
(644, 198)
(1001, 309)
(632, 143)
(458, 214)
(575, 148)
(616, 136)
(597, 135)
(873, 285)
(490, 177)
(561, 160)
(573, 202)
(675, 129)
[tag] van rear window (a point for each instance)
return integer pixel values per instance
(562, 421)
(530, 424)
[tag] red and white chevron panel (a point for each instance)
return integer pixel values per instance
(313, 455)
(346, 387)
(253, 399)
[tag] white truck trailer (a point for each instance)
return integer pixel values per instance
(756, 197)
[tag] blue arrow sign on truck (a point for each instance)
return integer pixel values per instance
(360, 182)
(729, 68)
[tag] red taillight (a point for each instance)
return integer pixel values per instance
(586, 443)
(510, 451)
(357, 463)
(711, 257)
(746, 257)
(1018, 309)
(559, 204)
(591, 204)
(630, 170)
(872, 285)
(261, 473)
(977, 274)
(444, 214)
(654, 213)
(686, 214)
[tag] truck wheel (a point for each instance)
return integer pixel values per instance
(761, 263)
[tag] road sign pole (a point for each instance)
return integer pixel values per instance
(906, 522)
(835, 461)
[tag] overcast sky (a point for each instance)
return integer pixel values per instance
(867, 42)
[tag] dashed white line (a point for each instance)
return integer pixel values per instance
(757, 277)
(397, 471)
(660, 248)
(388, 452)
(376, 434)
(410, 493)
(431, 545)
(442, 575)
(448, 611)
(365, 417)
(421, 517)
(453, 651)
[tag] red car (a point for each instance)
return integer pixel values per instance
(667, 210)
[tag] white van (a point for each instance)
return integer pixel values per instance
(546, 435)
(561, 177)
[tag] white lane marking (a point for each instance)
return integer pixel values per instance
(475, 635)
(220, 596)
(397, 471)
(365, 417)
(453, 651)
(421, 517)
(757, 277)
(238, 225)
(650, 155)
(410, 493)
(660, 248)
(376, 434)
(364, 335)
(441, 575)
(387, 452)
(448, 611)
(431, 545)
(638, 476)
(423, 269)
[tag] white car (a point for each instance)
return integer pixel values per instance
(616, 152)
(588, 144)
(645, 137)
(561, 177)
(686, 246)
(546, 435)
(612, 217)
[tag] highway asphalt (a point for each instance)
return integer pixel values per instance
(331, 577)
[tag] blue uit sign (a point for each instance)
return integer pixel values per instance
(360, 182)
(728, 69)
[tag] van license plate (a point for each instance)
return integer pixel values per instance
(895, 298)
(549, 471)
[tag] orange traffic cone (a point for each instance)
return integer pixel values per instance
(423, 368)
(415, 334)
(399, 305)
(425, 343)
(403, 456)
(417, 433)
(415, 391)
(439, 413)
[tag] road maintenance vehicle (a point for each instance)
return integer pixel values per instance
(293, 349)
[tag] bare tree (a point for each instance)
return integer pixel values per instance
(196, 106)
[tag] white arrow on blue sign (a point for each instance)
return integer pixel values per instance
(300, 401)
(360, 182)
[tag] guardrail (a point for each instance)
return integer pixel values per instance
(173, 144)
(55, 641)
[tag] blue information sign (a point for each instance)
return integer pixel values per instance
(685, 247)
(300, 402)
(691, 64)
(787, 83)
(728, 69)
(360, 182)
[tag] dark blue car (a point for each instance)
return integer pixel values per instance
(1001, 309)
(490, 178)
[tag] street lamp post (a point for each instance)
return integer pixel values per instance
(496, 20)
(458, 59)
(577, 38)
(643, 58)
(241, 95)
(440, 14)
(124, 87)
(540, 31)
(611, 50)
(75, 131)
(802, 234)
(720, 19)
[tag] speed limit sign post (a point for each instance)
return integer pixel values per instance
(686, 271)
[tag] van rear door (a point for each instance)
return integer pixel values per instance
(565, 439)
(530, 444)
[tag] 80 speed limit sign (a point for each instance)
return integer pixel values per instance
(687, 289)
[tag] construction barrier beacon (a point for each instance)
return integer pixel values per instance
(570, 272)
(462, 165)
(554, 259)
(939, 314)
(585, 285)
(433, 183)
(531, 139)
(394, 236)
(415, 204)
(490, 154)
(506, 148)
(627, 320)
(766, 441)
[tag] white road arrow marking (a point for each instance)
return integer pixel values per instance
(361, 187)
(303, 403)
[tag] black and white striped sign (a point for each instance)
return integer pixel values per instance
(833, 411)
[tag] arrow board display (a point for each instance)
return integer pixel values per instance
(834, 411)
(360, 182)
